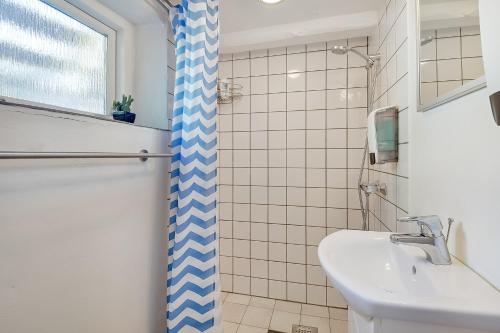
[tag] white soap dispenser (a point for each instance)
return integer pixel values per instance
(383, 135)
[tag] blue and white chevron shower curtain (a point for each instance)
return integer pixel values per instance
(193, 287)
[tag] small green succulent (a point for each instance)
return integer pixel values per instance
(124, 105)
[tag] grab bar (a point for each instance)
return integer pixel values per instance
(143, 155)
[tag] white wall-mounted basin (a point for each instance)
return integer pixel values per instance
(383, 280)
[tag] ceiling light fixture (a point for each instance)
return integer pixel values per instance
(272, 2)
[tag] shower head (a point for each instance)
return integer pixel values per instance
(339, 49)
(371, 59)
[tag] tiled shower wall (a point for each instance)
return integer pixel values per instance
(391, 42)
(451, 60)
(289, 156)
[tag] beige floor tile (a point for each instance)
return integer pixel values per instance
(257, 317)
(287, 307)
(339, 314)
(338, 326)
(250, 329)
(233, 312)
(261, 302)
(223, 296)
(229, 327)
(315, 311)
(283, 321)
(238, 298)
(323, 324)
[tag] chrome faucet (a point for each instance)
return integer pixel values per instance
(430, 239)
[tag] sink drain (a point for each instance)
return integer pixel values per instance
(304, 329)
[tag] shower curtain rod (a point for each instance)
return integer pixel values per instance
(143, 155)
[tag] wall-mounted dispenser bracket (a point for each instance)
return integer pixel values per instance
(495, 106)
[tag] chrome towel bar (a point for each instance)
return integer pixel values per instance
(143, 155)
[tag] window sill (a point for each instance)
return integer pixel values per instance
(37, 106)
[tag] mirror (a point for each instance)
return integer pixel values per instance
(451, 62)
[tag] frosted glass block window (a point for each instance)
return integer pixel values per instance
(52, 53)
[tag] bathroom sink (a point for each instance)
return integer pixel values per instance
(382, 280)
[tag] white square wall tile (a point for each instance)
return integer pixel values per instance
(259, 231)
(241, 230)
(471, 46)
(296, 273)
(337, 99)
(225, 69)
(316, 80)
(258, 250)
(316, 276)
(277, 64)
(277, 83)
(316, 216)
(296, 63)
(449, 70)
(277, 290)
(277, 214)
(316, 61)
(259, 66)
(277, 196)
(316, 119)
(316, 139)
(277, 51)
(296, 177)
(277, 252)
(242, 105)
(259, 103)
(277, 177)
(241, 55)
(241, 68)
(259, 85)
(296, 101)
(337, 79)
(296, 234)
(259, 268)
(258, 53)
(316, 100)
(241, 248)
(448, 48)
(296, 49)
(357, 98)
(277, 233)
(296, 292)
(335, 61)
(225, 211)
(296, 196)
(296, 139)
(277, 271)
(296, 82)
(296, 120)
(241, 266)
(473, 68)
(258, 121)
(296, 215)
(241, 284)
(277, 102)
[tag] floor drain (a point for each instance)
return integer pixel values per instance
(304, 329)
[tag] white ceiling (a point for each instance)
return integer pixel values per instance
(238, 15)
(251, 24)
(135, 11)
